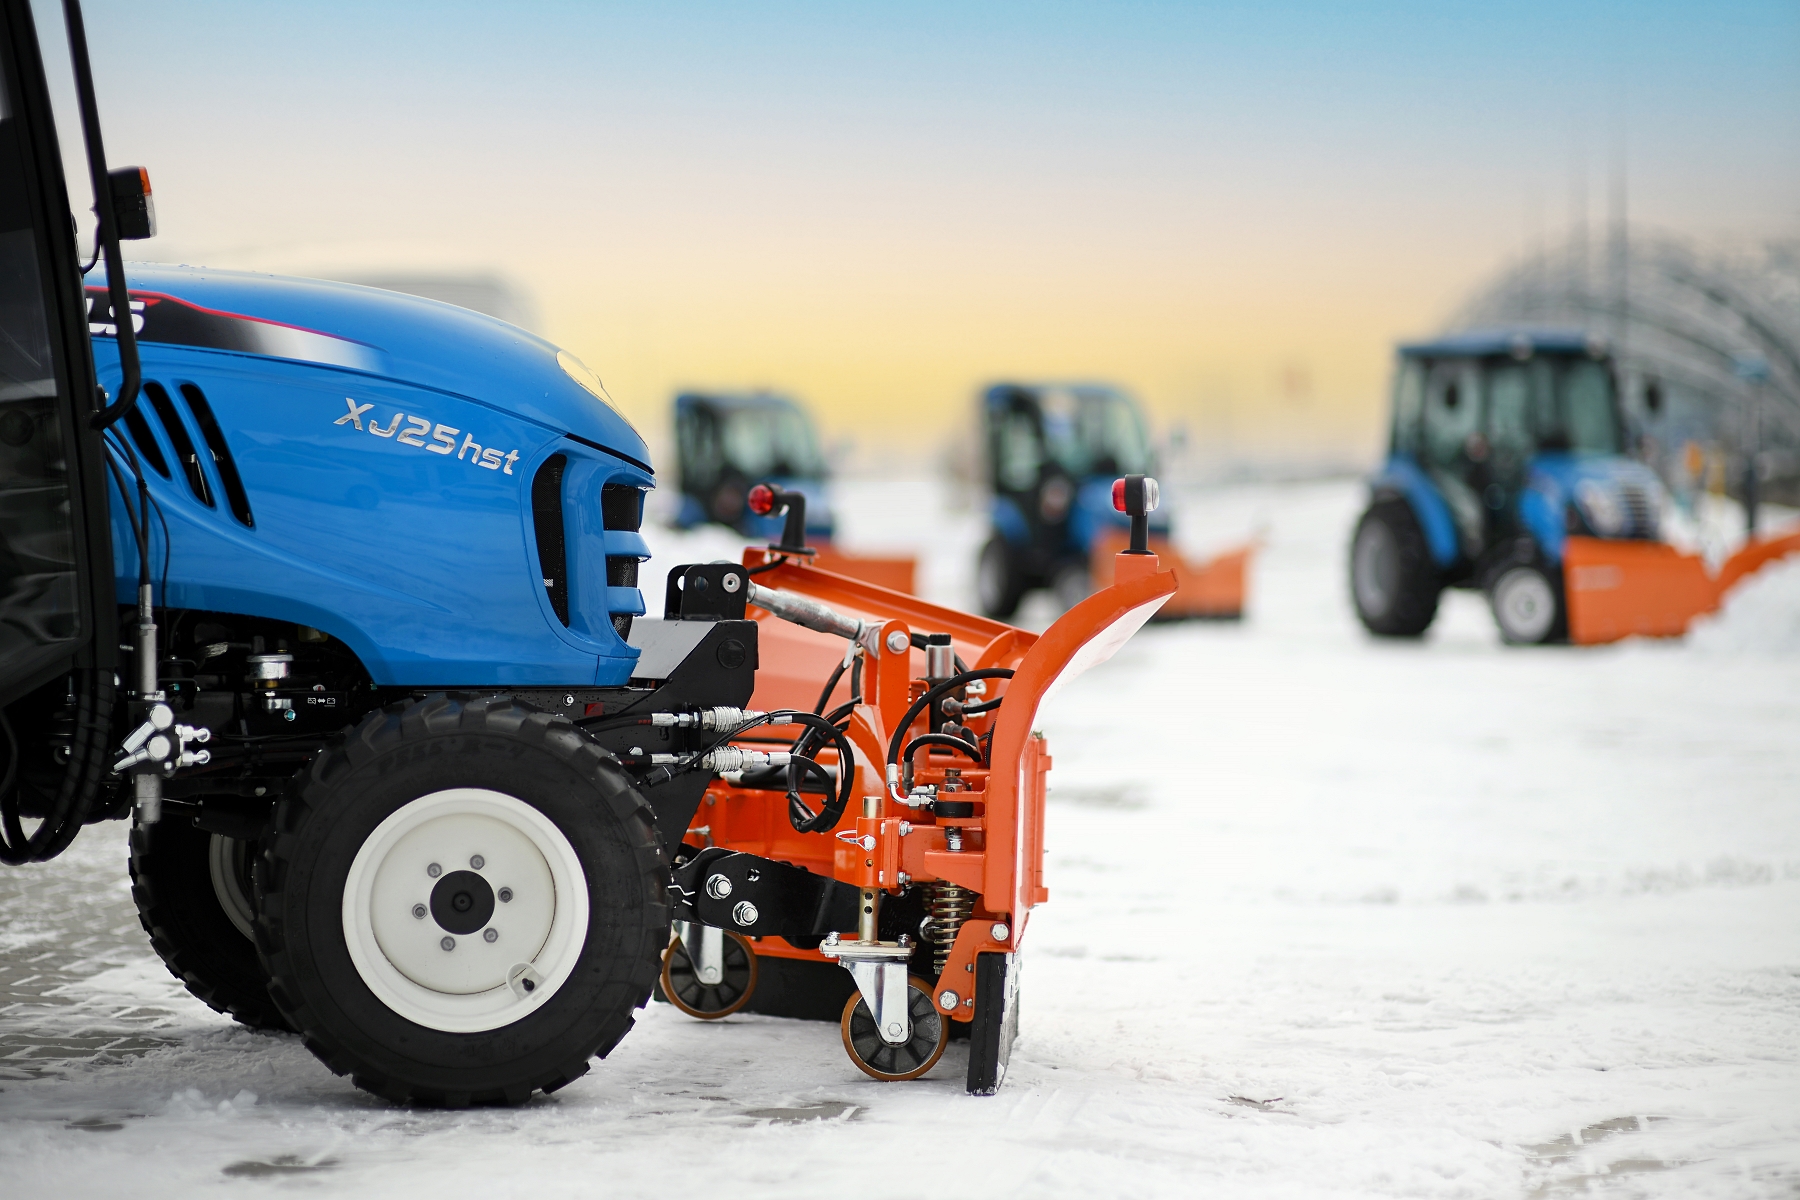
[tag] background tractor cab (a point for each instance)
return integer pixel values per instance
(1504, 444)
(1052, 455)
(726, 443)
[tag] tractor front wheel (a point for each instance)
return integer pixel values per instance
(462, 902)
(1528, 606)
(1392, 580)
(999, 583)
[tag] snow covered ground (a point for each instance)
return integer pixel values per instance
(1328, 918)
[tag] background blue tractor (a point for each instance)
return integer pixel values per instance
(726, 443)
(1502, 445)
(1052, 454)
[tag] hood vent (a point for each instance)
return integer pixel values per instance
(547, 518)
(177, 432)
(145, 441)
(622, 508)
(223, 463)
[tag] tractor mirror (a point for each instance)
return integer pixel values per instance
(133, 209)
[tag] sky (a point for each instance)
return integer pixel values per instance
(1234, 210)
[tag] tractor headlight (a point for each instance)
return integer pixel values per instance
(1601, 507)
(583, 374)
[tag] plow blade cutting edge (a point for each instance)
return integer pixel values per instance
(1620, 589)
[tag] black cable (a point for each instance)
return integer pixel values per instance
(940, 739)
(830, 686)
(938, 693)
(768, 566)
(96, 258)
(799, 816)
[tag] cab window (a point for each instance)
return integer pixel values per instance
(38, 599)
(1452, 412)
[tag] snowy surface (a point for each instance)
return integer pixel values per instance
(1328, 918)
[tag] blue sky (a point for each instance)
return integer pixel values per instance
(880, 205)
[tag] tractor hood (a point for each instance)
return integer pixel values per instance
(1615, 497)
(366, 330)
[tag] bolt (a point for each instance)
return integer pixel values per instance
(905, 828)
(490, 935)
(1000, 931)
(506, 895)
(434, 870)
(905, 878)
(718, 887)
(744, 914)
(569, 700)
(288, 715)
(905, 939)
(948, 999)
(895, 1029)
(477, 862)
(527, 985)
(730, 582)
(897, 641)
(449, 943)
(419, 911)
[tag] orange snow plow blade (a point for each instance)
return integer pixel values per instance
(1212, 589)
(1650, 589)
(896, 574)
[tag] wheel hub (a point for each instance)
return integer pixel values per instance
(456, 898)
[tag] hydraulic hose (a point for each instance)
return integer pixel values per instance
(931, 696)
(940, 739)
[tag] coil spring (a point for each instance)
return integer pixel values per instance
(950, 906)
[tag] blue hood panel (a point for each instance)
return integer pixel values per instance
(423, 342)
(373, 478)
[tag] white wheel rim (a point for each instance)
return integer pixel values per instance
(1524, 605)
(223, 858)
(538, 917)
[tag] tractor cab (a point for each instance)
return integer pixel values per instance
(1052, 453)
(1502, 445)
(726, 443)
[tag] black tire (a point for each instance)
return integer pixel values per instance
(420, 752)
(999, 583)
(1393, 582)
(189, 885)
(1528, 604)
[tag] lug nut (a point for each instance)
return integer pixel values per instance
(490, 935)
(506, 895)
(477, 862)
(434, 870)
(419, 911)
(744, 914)
(449, 943)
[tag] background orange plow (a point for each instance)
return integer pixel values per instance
(1620, 589)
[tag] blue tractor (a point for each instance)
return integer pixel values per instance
(1052, 454)
(725, 443)
(1502, 445)
(333, 593)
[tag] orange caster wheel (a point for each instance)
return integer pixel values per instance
(911, 1058)
(703, 993)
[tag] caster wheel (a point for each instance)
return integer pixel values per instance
(912, 1058)
(682, 984)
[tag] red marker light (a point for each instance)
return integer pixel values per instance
(761, 499)
(1119, 494)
